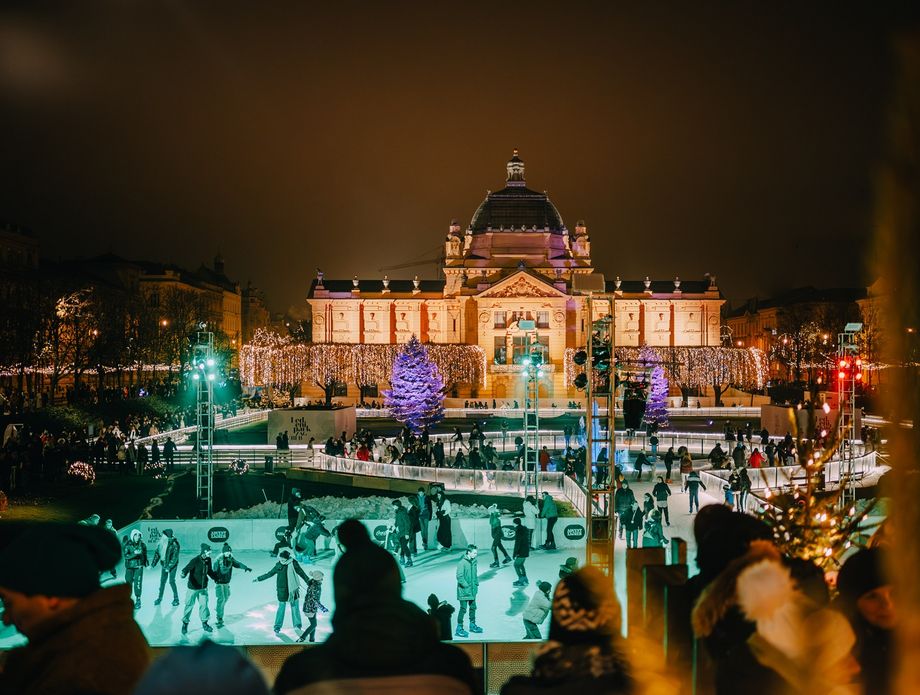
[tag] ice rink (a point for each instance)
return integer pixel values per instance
(250, 613)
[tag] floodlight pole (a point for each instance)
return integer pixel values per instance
(203, 375)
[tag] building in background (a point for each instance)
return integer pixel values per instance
(514, 262)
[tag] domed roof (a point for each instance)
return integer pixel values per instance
(516, 207)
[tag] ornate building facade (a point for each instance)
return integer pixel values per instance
(515, 262)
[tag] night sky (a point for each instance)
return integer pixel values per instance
(738, 139)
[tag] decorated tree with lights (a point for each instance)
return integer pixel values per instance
(417, 394)
(656, 409)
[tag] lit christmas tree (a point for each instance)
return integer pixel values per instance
(656, 410)
(417, 394)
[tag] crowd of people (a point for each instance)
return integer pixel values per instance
(766, 623)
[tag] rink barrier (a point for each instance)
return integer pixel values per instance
(786, 477)
(261, 534)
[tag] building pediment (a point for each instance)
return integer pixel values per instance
(521, 284)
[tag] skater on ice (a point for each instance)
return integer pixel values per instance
(288, 574)
(167, 556)
(537, 610)
(198, 570)
(312, 605)
(521, 551)
(135, 561)
(445, 534)
(467, 590)
(495, 526)
(223, 572)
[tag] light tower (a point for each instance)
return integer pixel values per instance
(532, 374)
(849, 374)
(204, 374)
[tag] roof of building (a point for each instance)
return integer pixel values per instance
(516, 207)
(376, 286)
(659, 286)
(800, 295)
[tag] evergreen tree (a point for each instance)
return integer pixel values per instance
(416, 396)
(656, 409)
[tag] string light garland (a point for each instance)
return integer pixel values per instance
(693, 367)
(82, 472)
(275, 360)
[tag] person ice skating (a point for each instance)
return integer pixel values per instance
(633, 522)
(495, 527)
(288, 573)
(424, 515)
(441, 611)
(312, 605)
(568, 567)
(309, 533)
(661, 492)
(283, 542)
(668, 463)
(551, 513)
(167, 555)
(445, 534)
(641, 460)
(537, 610)
(467, 589)
(745, 488)
(686, 467)
(198, 570)
(293, 511)
(648, 503)
(652, 533)
(82, 638)
(135, 562)
(622, 501)
(223, 572)
(530, 517)
(693, 485)
(403, 526)
(521, 551)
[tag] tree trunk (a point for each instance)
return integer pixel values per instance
(717, 390)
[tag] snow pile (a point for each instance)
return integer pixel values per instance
(347, 508)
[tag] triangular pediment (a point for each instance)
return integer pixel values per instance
(522, 284)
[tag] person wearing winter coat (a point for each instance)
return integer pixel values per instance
(223, 572)
(293, 509)
(441, 611)
(198, 570)
(623, 499)
(530, 516)
(633, 522)
(403, 527)
(445, 533)
(521, 551)
(866, 601)
(70, 621)
(641, 460)
(495, 528)
(745, 488)
(693, 485)
(379, 642)
(661, 492)
(312, 605)
(135, 561)
(668, 463)
(167, 555)
(734, 484)
(686, 467)
(551, 513)
(288, 573)
(585, 651)
(652, 533)
(467, 590)
(739, 456)
(424, 515)
(537, 610)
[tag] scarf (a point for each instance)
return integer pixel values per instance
(293, 582)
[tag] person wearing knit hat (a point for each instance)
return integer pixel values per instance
(866, 599)
(571, 565)
(63, 610)
(312, 605)
(205, 669)
(223, 572)
(467, 590)
(376, 635)
(495, 526)
(135, 561)
(537, 610)
(167, 554)
(198, 570)
(584, 652)
(288, 574)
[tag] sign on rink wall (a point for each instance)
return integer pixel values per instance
(261, 534)
(302, 423)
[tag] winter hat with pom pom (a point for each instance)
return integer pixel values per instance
(768, 597)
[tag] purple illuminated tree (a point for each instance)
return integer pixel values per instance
(416, 396)
(656, 409)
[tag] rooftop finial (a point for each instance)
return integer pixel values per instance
(515, 170)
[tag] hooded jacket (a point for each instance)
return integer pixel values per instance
(198, 570)
(72, 651)
(467, 579)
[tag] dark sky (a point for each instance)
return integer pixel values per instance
(737, 139)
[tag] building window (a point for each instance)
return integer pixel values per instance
(501, 350)
(542, 319)
(500, 319)
(522, 347)
(339, 389)
(369, 392)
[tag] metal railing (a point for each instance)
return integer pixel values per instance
(247, 417)
(786, 477)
